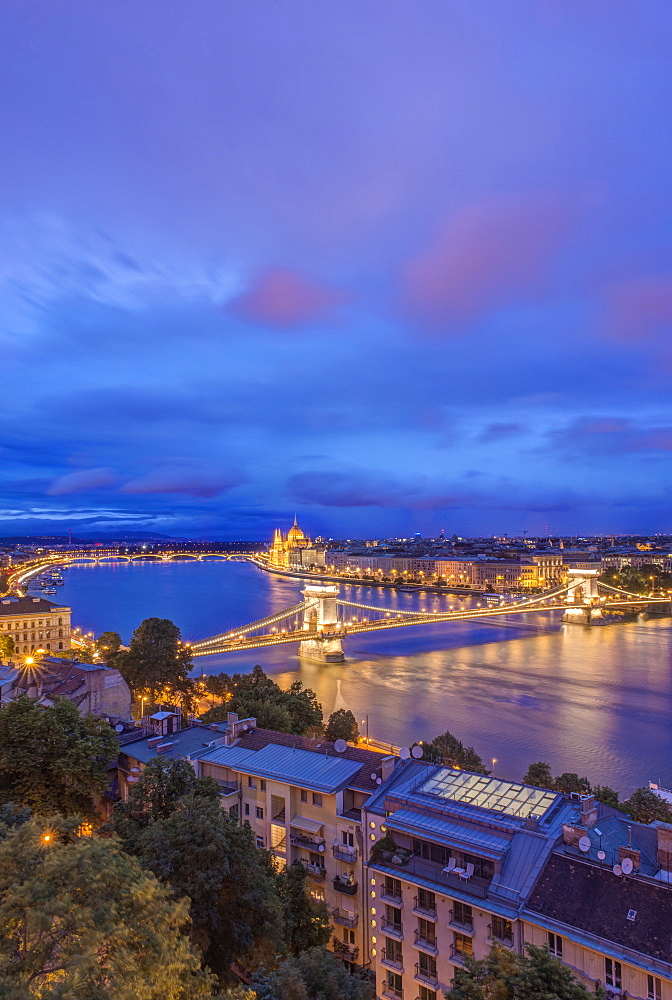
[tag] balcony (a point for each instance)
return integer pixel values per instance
(426, 943)
(349, 952)
(461, 925)
(344, 885)
(426, 975)
(504, 937)
(476, 886)
(391, 928)
(354, 814)
(390, 895)
(309, 843)
(227, 787)
(429, 912)
(394, 961)
(344, 918)
(392, 993)
(316, 872)
(347, 854)
(457, 955)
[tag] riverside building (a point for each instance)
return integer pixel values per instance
(35, 624)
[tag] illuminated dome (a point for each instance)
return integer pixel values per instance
(295, 534)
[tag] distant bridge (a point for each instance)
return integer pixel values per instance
(321, 621)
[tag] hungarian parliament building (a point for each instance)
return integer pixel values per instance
(294, 550)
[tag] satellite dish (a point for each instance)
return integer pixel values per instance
(336, 842)
(627, 866)
(379, 781)
(417, 752)
(321, 847)
(601, 855)
(119, 728)
(617, 870)
(373, 776)
(584, 844)
(340, 746)
(404, 753)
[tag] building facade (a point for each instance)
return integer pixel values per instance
(35, 624)
(294, 550)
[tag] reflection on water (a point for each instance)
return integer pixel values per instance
(593, 700)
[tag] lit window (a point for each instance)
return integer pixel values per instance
(612, 973)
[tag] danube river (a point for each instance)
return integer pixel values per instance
(593, 700)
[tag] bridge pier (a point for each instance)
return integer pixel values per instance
(321, 615)
(583, 598)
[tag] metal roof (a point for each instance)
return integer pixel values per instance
(303, 768)
(305, 824)
(186, 743)
(481, 842)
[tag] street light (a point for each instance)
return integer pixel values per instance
(494, 761)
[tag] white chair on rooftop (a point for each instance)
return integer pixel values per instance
(450, 867)
(468, 872)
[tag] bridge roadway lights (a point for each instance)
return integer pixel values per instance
(321, 615)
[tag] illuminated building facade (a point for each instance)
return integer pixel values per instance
(35, 623)
(294, 550)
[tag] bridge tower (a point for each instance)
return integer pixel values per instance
(321, 615)
(583, 598)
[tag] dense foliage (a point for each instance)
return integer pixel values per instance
(295, 710)
(157, 663)
(52, 759)
(315, 974)
(342, 725)
(449, 750)
(645, 580)
(6, 646)
(305, 920)
(123, 938)
(504, 975)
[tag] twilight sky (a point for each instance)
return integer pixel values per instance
(395, 265)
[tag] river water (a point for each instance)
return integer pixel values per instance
(594, 700)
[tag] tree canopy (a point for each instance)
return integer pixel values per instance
(451, 751)
(305, 920)
(295, 710)
(52, 759)
(108, 645)
(124, 938)
(645, 806)
(156, 661)
(342, 725)
(504, 975)
(315, 974)
(6, 646)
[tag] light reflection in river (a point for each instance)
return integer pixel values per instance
(593, 700)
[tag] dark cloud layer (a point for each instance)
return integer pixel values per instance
(404, 267)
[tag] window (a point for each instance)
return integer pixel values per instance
(278, 808)
(654, 988)
(427, 966)
(278, 837)
(462, 944)
(260, 812)
(393, 984)
(263, 784)
(317, 799)
(393, 918)
(233, 811)
(348, 936)
(60, 622)
(426, 931)
(424, 993)
(501, 929)
(261, 842)
(48, 621)
(462, 914)
(39, 622)
(440, 855)
(612, 973)
(251, 782)
(392, 887)
(247, 808)
(60, 631)
(393, 951)
(60, 646)
(348, 839)
(555, 945)
(304, 795)
(426, 900)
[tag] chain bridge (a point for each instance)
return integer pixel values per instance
(321, 621)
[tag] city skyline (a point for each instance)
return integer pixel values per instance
(393, 268)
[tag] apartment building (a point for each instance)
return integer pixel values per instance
(35, 624)
(469, 860)
(303, 800)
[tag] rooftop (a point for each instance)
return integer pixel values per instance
(28, 605)
(186, 743)
(509, 797)
(305, 768)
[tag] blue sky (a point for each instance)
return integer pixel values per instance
(395, 266)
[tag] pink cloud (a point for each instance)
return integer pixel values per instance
(184, 480)
(641, 307)
(82, 481)
(487, 254)
(284, 298)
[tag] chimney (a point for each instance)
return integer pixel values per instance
(231, 717)
(630, 852)
(664, 832)
(588, 810)
(572, 834)
(153, 741)
(387, 767)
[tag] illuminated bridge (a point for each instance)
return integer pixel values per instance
(321, 621)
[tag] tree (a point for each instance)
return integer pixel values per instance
(539, 774)
(645, 806)
(108, 645)
(342, 725)
(162, 786)
(571, 782)
(503, 975)
(449, 750)
(6, 646)
(53, 759)
(315, 974)
(218, 685)
(603, 793)
(156, 658)
(305, 920)
(174, 824)
(124, 937)
(295, 710)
